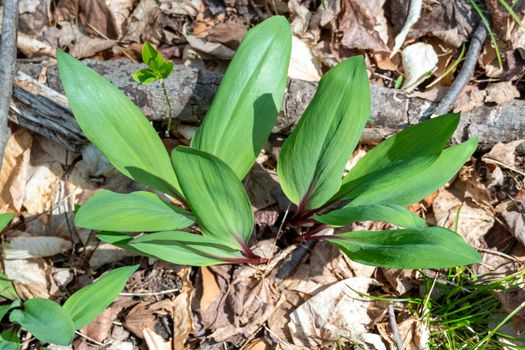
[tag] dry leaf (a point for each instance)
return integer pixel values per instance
(155, 341)
(15, 170)
(182, 319)
(501, 93)
(23, 246)
(338, 311)
(414, 13)
(419, 62)
(29, 277)
(303, 65)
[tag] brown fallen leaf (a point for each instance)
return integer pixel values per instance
(501, 93)
(364, 25)
(15, 170)
(182, 319)
(155, 341)
(229, 33)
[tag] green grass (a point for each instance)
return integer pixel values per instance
(463, 312)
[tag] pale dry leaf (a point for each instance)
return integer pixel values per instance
(211, 290)
(473, 222)
(32, 47)
(303, 64)
(180, 7)
(120, 9)
(216, 50)
(503, 153)
(107, 253)
(301, 16)
(182, 319)
(414, 13)
(471, 97)
(258, 344)
(29, 277)
(155, 341)
(15, 170)
(24, 246)
(338, 311)
(42, 187)
(501, 93)
(419, 62)
(86, 46)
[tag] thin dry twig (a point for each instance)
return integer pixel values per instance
(396, 337)
(466, 72)
(7, 67)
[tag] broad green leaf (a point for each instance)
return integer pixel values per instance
(145, 76)
(87, 303)
(393, 214)
(406, 153)
(248, 100)
(116, 126)
(46, 320)
(4, 309)
(185, 248)
(416, 186)
(152, 58)
(215, 195)
(119, 240)
(9, 339)
(423, 248)
(5, 219)
(7, 290)
(166, 69)
(313, 158)
(131, 212)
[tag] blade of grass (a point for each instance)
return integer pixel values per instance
(486, 23)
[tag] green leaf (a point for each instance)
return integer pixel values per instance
(4, 309)
(119, 240)
(131, 212)
(7, 290)
(248, 100)
(185, 248)
(406, 153)
(313, 158)
(5, 219)
(145, 76)
(9, 339)
(87, 303)
(393, 214)
(152, 58)
(46, 320)
(116, 126)
(418, 186)
(423, 248)
(215, 195)
(166, 69)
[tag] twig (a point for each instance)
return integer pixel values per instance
(7, 67)
(466, 72)
(396, 337)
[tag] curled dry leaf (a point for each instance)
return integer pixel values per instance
(22, 246)
(339, 311)
(419, 62)
(414, 13)
(155, 341)
(182, 319)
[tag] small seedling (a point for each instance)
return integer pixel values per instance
(216, 225)
(49, 322)
(159, 70)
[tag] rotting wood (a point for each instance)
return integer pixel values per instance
(44, 110)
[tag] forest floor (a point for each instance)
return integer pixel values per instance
(326, 301)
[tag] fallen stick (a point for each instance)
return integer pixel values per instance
(7, 67)
(43, 109)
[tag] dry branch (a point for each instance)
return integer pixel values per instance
(43, 109)
(7, 67)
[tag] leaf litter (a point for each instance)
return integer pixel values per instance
(325, 299)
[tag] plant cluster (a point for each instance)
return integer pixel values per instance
(50, 322)
(215, 221)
